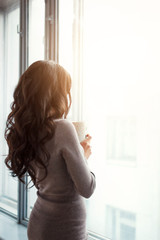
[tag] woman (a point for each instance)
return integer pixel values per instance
(45, 145)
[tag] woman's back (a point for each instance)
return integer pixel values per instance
(59, 212)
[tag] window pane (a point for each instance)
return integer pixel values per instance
(121, 76)
(70, 50)
(36, 52)
(9, 75)
(66, 34)
(36, 30)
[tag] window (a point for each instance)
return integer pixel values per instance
(71, 50)
(116, 224)
(36, 30)
(66, 35)
(121, 224)
(122, 96)
(9, 44)
(66, 39)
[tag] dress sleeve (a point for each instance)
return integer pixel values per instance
(83, 178)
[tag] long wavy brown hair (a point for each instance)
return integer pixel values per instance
(41, 96)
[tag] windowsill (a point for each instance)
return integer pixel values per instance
(93, 236)
(10, 229)
(9, 205)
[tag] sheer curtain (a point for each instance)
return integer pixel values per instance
(122, 102)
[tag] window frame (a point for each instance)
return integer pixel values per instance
(51, 52)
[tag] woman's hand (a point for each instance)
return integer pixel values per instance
(86, 146)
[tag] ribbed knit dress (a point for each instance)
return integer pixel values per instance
(59, 212)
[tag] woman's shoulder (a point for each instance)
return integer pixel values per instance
(65, 132)
(64, 125)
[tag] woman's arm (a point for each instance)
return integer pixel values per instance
(82, 177)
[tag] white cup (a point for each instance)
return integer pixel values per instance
(81, 130)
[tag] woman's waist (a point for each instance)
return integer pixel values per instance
(60, 208)
(53, 198)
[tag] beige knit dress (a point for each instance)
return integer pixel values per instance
(59, 212)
